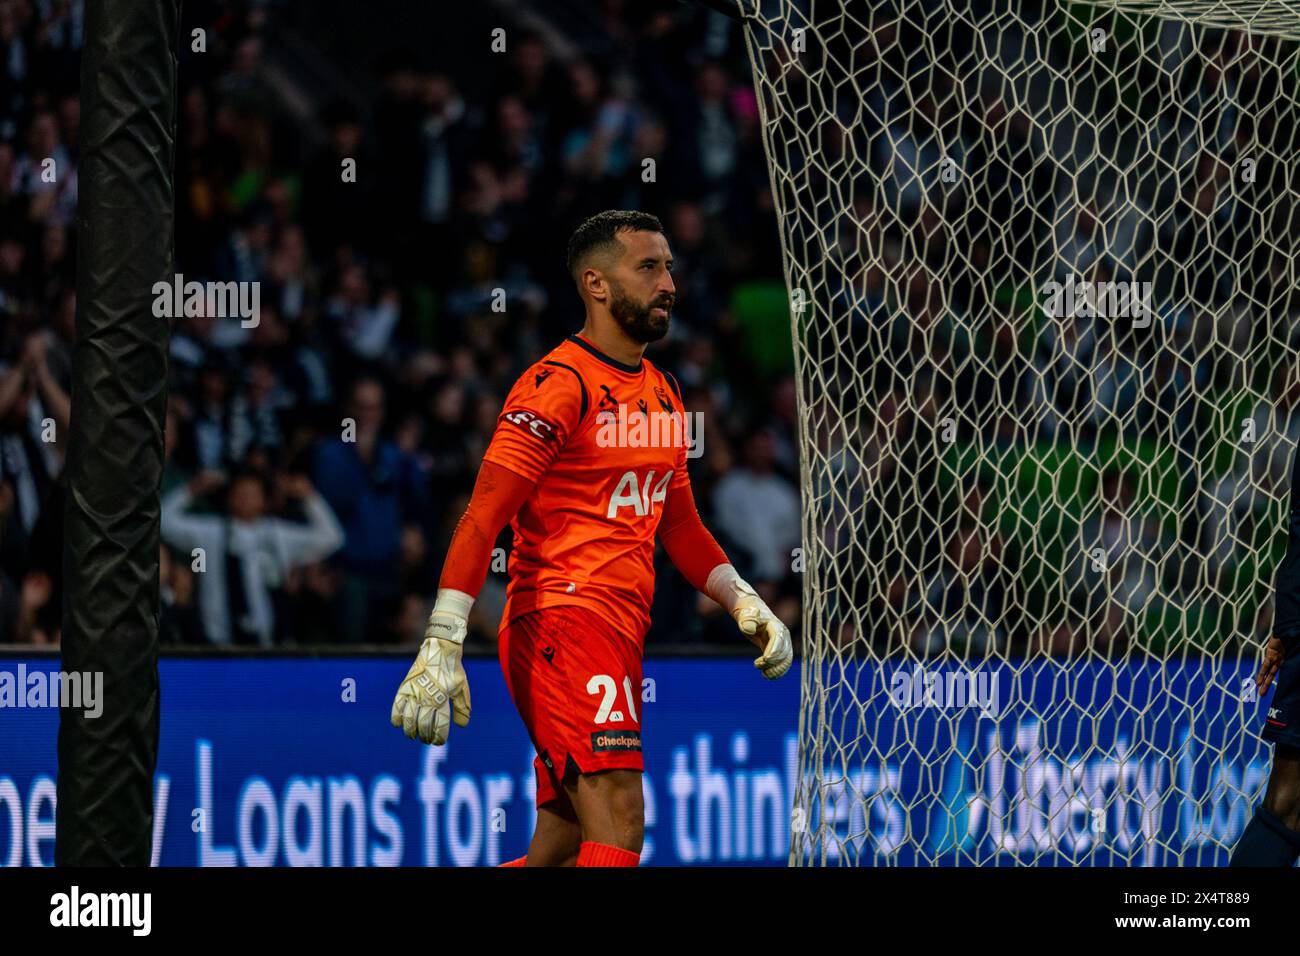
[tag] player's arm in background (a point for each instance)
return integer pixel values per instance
(531, 430)
(185, 531)
(1286, 592)
(701, 560)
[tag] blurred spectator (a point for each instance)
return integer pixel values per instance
(436, 273)
(965, 598)
(1119, 558)
(179, 618)
(365, 324)
(379, 493)
(759, 510)
(247, 555)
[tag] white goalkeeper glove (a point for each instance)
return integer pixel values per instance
(435, 690)
(755, 618)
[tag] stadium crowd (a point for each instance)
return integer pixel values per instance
(380, 295)
(318, 460)
(1041, 476)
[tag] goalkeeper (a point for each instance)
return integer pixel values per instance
(585, 499)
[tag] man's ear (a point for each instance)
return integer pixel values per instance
(596, 286)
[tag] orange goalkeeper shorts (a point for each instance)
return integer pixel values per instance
(577, 685)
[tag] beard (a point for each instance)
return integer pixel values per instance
(640, 321)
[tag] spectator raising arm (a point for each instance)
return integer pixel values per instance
(52, 394)
(185, 531)
(320, 537)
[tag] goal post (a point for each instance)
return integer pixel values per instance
(1041, 259)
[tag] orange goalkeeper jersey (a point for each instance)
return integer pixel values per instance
(606, 443)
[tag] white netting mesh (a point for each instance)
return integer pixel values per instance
(1061, 503)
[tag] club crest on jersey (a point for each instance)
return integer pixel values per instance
(532, 423)
(608, 400)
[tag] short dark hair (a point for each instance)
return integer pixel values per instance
(249, 473)
(599, 231)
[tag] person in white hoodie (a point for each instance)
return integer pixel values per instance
(243, 557)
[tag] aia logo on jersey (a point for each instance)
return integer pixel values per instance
(633, 492)
(664, 401)
(542, 376)
(535, 425)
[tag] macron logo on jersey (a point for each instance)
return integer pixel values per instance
(632, 492)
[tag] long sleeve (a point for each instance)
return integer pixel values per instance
(320, 537)
(185, 532)
(690, 546)
(498, 495)
(181, 529)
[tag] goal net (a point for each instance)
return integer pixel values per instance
(1041, 259)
